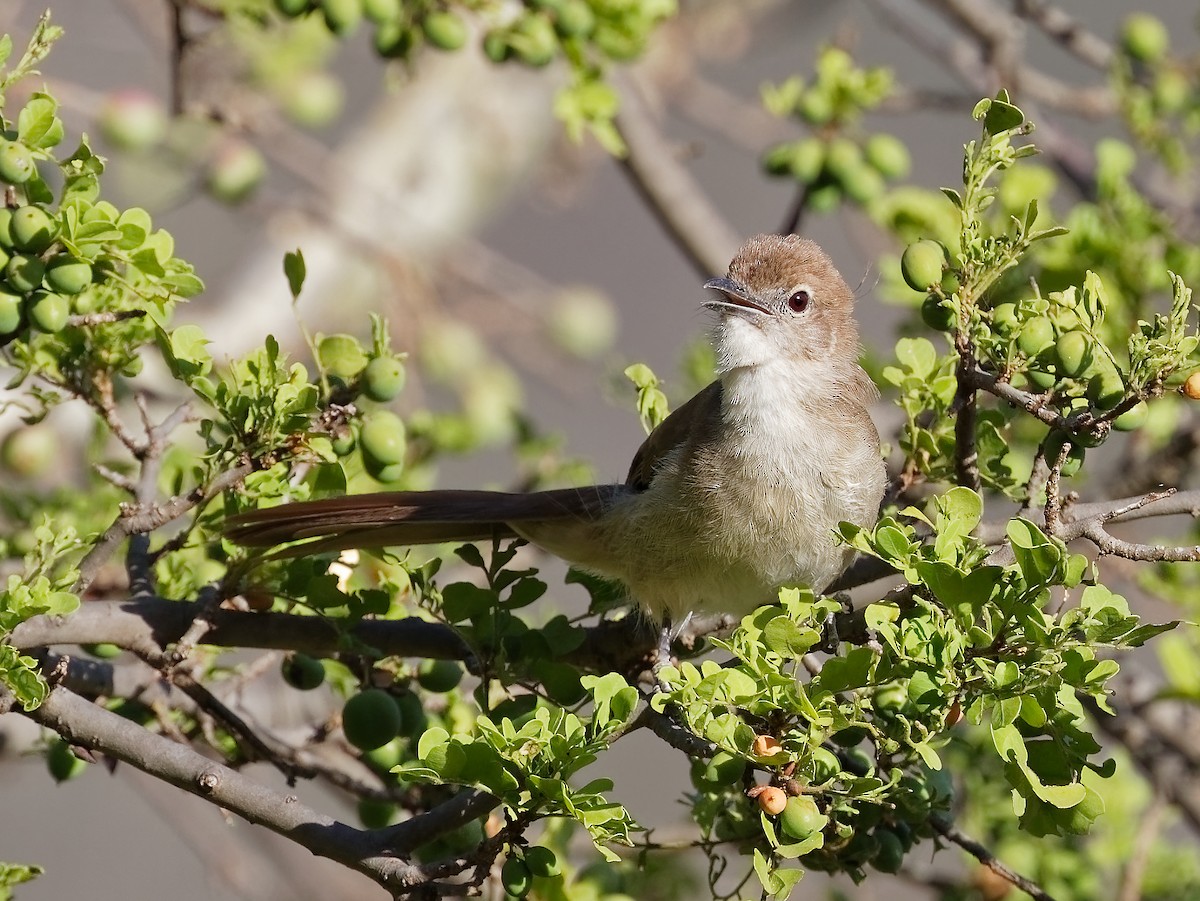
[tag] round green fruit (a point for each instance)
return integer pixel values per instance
(815, 107)
(385, 756)
(10, 312)
(515, 877)
(439, 676)
(575, 19)
(1144, 37)
(344, 442)
(889, 856)
(824, 198)
(1133, 418)
(66, 274)
(6, 214)
(542, 861)
(302, 672)
(862, 184)
(30, 451)
(777, 160)
(394, 40)
(1004, 318)
(922, 263)
(1035, 336)
(937, 315)
(375, 814)
(1074, 353)
(412, 714)
(371, 719)
(382, 12)
(825, 765)
(723, 770)
(102, 650)
(16, 163)
(888, 154)
(496, 45)
(534, 40)
(445, 30)
(293, 8)
(382, 438)
(32, 229)
(806, 159)
(383, 379)
(801, 818)
(48, 312)
(62, 763)
(842, 157)
(384, 473)
(341, 16)
(1042, 379)
(133, 120)
(235, 172)
(1106, 389)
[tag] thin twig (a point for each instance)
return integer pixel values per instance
(952, 833)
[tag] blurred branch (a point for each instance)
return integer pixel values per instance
(673, 195)
(947, 830)
(1063, 28)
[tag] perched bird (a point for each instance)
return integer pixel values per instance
(735, 494)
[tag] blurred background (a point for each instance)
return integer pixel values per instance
(520, 267)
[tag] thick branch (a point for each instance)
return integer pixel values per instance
(90, 726)
(675, 198)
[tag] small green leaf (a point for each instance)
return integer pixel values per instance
(295, 270)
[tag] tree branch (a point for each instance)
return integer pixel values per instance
(947, 830)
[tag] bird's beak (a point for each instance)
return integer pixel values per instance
(735, 296)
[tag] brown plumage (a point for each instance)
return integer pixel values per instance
(734, 495)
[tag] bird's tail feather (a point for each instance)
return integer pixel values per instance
(411, 517)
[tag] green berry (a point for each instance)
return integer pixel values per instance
(6, 214)
(806, 159)
(1106, 389)
(384, 473)
(10, 312)
(825, 765)
(801, 818)
(1133, 418)
(30, 451)
(66, 274)
(375, 814)
(1004, 318)
(48, 312)
(383, 379)
(341, 16)
(382, 12)
(842, 157)
(24, 273)
(344, 442)
(863, 184)
(439, 676)
(1074, 352)
(32, 229)
(777, 160)
(938, 316)
(815, 107)
(888, 154)
(1036, 335)
(445, 30)
(102, 650)
(293, 8)
(1042, 379)
(496, 46)
(386, 756)
(302, 672)
(574, 19)
(824, 198)
(723, 770)
(922, 263)
(62, 762)
(16, 163)
(515, 877)
(542, 861)
(394, 40)
(133, 120)
(1144, 37)
(534, 40)
(889, 856)
(382, 438)
(371, 719)
(235, 172)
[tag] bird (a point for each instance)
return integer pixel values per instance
(733, 496)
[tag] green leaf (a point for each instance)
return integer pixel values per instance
(1000, 117)
(462, 601)
(785, 638)
(37, 124)
(19, 674)
(524, 593)
(918, 356)
(295, 270)
(1039, 558)
(851, 671)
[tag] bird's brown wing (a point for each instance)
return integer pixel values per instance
(673, 431)
(398, 518)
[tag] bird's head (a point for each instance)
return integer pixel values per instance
(783, 299)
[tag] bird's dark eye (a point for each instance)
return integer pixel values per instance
(798, 302)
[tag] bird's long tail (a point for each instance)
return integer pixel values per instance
(401, 518)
